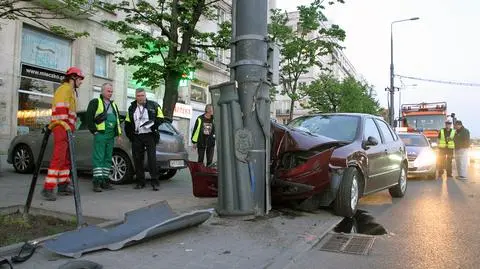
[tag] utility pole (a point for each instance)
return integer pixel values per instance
(242, 114)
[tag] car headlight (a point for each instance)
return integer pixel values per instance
(425, 158)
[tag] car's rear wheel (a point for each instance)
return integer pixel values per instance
(348, 194)
(122, 168)
(23, 160)
(400, 189)
(167, 174)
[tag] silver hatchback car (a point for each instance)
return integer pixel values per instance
(171, 153)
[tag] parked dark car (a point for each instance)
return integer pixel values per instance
(422, 159)
(171, 153)
(328, 160)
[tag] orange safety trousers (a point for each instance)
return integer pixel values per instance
(59, 170)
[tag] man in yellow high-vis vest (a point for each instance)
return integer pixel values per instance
(103, 121)
(446, 146)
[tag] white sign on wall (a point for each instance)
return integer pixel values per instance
(183, 111)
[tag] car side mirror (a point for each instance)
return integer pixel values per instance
(371, 141)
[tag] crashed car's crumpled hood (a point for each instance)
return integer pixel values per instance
(285, 139)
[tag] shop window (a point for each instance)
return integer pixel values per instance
(35, 103)
(101, 63)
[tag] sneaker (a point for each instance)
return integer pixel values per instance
(106, 186)
(65, 189)
(96, 187)
(49, 195)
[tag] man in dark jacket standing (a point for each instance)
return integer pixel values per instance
(141, 127)
(203, 136)
(103, 121)
(462, 144)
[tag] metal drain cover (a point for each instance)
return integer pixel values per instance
(347, 243)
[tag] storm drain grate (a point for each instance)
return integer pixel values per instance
(347, 243)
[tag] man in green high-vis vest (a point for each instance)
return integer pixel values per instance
(103, 122)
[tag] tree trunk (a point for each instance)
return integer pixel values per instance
(292, 105)
(172, 79)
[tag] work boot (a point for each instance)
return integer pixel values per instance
(97, 187)
(65, 189)
(106, 186)
(49, 195)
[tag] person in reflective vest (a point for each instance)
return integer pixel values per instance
(203, 136)
(64, 108)
(103, 120)
(446, 146)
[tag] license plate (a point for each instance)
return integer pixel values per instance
(177, 163)
(411, 165)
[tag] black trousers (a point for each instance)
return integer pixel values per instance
(142, 142)
(445, 157)
(201, 154)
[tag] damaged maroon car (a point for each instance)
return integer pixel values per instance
(327, 160)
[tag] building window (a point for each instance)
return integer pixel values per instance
(97, 90)
(101, 64)
(45, 50)
(198, 94)
(222, 16)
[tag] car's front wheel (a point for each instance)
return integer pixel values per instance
(400, 189)
(348, 194)
(122, 169)
(167, 174)
(23, 161)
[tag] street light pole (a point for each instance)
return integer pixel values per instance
(391, 109)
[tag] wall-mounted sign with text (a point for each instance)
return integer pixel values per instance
(183, 111)
(41, 73)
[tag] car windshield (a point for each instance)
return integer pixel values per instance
(168, 128)
(426, 122)
(338, 127)
(414, 140)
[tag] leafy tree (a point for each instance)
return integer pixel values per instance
(303, 48)
(43, 12)
(328, 94)
(177, 46)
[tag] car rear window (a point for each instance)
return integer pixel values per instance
(168, 128)
(414, 140)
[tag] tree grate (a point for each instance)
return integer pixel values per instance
(347, 243)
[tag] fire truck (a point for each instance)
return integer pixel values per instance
(427, 118)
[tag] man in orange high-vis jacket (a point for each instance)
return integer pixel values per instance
(64, 108)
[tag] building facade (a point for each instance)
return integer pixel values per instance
(34, 60)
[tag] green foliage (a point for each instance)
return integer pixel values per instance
(328, 94)
(304, 47)
(177, 46)
(43, 12)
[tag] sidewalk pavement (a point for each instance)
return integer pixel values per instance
(267, 242)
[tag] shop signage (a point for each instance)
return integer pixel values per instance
(41, 73)
(183, 111)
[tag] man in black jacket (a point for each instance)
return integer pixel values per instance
(141, 127)
(462, 144)
(203, 136)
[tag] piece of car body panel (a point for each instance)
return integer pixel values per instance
(139, 224)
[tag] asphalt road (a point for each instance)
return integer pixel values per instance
(436, 225)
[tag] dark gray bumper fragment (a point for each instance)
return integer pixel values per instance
(139, 224)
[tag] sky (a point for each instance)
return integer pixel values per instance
(444, 44)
